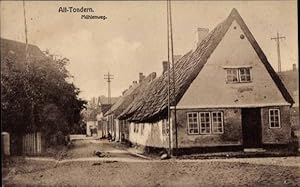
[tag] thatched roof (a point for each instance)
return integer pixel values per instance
(130, 95)
(103, 100)
(152, 103)
(14, 50)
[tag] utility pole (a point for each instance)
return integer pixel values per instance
(171, 101)
(27, 83)
(173, 77)
(109, 77)
(277, 38)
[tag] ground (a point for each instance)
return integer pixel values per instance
(118, 167)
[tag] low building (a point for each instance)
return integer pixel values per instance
(227, 95)
(120, 130)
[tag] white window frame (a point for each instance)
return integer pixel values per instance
(210, 122)
(188, 122)
(238, 74)
(279, 120)
(222, 122)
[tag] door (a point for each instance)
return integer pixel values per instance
(251, 126)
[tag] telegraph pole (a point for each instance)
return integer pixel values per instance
(173, 76)
(278, 38)
(27, 83)
(109, 77)
(173, 99)
(169, 100)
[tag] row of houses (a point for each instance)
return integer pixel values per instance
(227, 95)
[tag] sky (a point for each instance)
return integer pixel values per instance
(133, 38)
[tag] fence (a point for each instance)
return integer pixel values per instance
(32, 143)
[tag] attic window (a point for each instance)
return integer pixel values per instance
(238, 75)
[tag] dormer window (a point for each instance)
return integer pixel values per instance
(238, 75)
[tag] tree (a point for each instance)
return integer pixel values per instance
(37, 96)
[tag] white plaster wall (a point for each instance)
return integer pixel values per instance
(89, 125)
(117, 133)
(210, 89)
(152, 135)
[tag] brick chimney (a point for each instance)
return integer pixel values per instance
(141, 77)
(201, 34)
(134, 82)
(294, 67)
(165, 65)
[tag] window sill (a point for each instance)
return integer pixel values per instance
(206, 134)
(238, 82)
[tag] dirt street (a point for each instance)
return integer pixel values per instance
(139, 172)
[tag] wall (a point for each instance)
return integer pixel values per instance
(117, 130)
(294, 113)
(124, 130)
(232, 130)
(151, 136)
(210, 89)
(276, 135)
(89, 126)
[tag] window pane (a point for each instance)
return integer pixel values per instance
(205, 123)
(193, 123)
(232, 75)
(217, 123)
(244, 74)
(274, 118)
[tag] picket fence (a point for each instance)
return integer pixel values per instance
(32, 143)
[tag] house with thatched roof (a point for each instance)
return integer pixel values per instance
(100, 106)
(119, 128)
(226, 95)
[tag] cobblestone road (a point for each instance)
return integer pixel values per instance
(215, 172)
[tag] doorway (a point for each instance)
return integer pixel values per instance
(251, 127)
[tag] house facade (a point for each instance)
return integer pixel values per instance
(226, 95)
(120, 128)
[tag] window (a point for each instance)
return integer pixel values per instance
(232, 75)
(217, 122)
(274, 118)
(165, 127)
(236, 75)
(193, 127)
(244, 74)
(205, 123)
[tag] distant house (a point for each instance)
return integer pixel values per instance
(103, 105)
(227, 95)
(119, 128)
